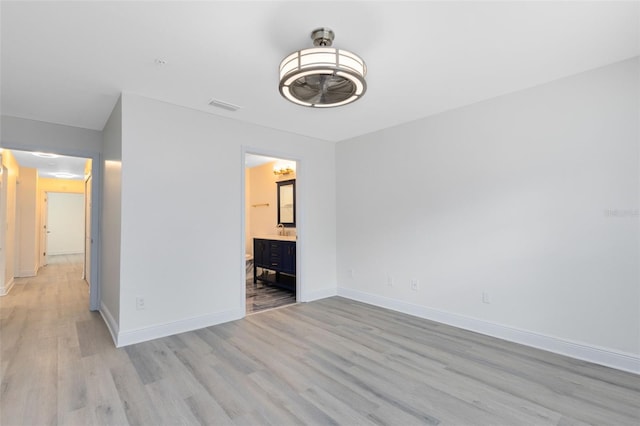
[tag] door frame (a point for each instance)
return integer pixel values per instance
(44, 230)
(96, 208)
(300, 215)
(3, 224)
(88, 202)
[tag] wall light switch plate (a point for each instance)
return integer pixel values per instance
(415, 285)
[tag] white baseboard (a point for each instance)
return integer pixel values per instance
(131, 337)
(596, 355)
(112, 325)
(24, 273)
(310, 296)
(60, 253)
(4, 290)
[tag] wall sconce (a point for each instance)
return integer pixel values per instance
(281, 171)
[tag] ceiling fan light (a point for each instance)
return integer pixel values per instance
(322, 76)
(286, 94)
(346, 101)
(299, 75)
(359, 84)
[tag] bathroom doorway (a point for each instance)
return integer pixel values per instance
(271, 232)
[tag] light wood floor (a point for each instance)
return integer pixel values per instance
(328, 362)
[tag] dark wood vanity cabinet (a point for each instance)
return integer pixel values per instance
(277, 259)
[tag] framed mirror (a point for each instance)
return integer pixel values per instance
(287, 203)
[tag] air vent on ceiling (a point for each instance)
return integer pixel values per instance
(224, 105)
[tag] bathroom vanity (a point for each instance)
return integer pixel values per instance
(276, 256)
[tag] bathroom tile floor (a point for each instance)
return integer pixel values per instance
(262, 296)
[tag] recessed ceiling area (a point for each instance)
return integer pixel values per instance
(52, 165)
(67, 62)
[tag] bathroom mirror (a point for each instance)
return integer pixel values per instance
(287, 203)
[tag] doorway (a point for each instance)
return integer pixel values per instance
(271, 232)
(70, 180)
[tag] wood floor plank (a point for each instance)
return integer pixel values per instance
(136, 403)
(104, 401)
(207, 410)
(333, 361)
(170, 407)
(228, 397)
(72, 388)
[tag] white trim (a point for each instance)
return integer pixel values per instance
(607, 357)
(112, 325)
(139, 335)
(25, 273)
(310, 296)
(7, 287)
(65, 252)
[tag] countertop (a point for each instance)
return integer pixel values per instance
(276, 237)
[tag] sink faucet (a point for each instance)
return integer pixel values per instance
(280, 229)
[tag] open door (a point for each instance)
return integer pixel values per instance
(44, 228)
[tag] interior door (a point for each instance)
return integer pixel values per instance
(44, 209)
(65, 223)
(87, 229)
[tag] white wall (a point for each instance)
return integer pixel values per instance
(27, 223)
(32, 135)
(531, 197)
(8, 205)
(21, 133)
(110, 233)
(182, 215)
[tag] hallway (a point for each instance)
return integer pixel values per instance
(46, 328)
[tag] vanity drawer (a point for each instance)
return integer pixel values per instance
(276, 255)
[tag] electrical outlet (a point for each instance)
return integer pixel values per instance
(390, 281)
(414, 285)
(485, 297)
(140, 303)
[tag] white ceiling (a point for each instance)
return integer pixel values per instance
(67, 62)
(253, 160)
(73, 167)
